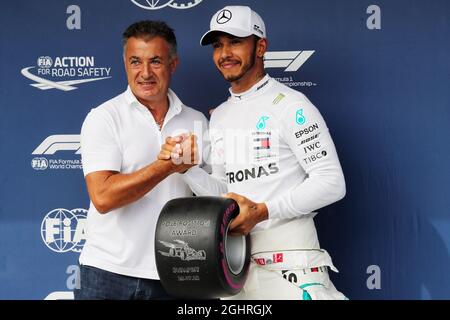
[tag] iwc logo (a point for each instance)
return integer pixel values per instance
(159, 4)
(224, 16)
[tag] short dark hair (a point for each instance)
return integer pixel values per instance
(148, 29)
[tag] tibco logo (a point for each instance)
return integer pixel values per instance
(64, 230)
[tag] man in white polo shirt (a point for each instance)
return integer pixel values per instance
(127, 185)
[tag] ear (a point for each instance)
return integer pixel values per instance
(261, 48)
(124, 54)
(174, 63)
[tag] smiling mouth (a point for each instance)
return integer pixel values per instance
(229, 64)
(147, 83)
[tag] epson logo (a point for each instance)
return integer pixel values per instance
(253, 173)
(306, 130)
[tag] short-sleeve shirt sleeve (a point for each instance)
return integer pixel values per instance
(100, 149)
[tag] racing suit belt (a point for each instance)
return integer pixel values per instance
(291, 245)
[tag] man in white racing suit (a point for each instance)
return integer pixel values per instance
(272, 153)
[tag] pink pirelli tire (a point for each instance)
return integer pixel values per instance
(196, 258)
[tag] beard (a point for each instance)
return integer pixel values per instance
(245, 68)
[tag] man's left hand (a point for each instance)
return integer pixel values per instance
(250, 213)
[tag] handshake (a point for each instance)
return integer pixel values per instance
(181, 150)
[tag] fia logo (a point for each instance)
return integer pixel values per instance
(39, 163)
(261, 124)
(64, 230)
(299, 117)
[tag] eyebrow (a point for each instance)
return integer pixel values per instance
(151, 58)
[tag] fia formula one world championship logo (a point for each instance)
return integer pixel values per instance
(63, 73)
(159, 4)
(58, 152)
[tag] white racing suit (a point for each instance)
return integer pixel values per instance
(270, 144)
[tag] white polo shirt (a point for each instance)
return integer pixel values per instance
(122, 135)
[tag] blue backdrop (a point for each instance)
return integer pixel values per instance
(378, 71)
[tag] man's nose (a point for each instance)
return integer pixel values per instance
(146, 71)
(226, 51)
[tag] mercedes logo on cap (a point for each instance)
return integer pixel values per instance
(224, 16)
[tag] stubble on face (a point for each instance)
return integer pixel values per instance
(245, 68)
